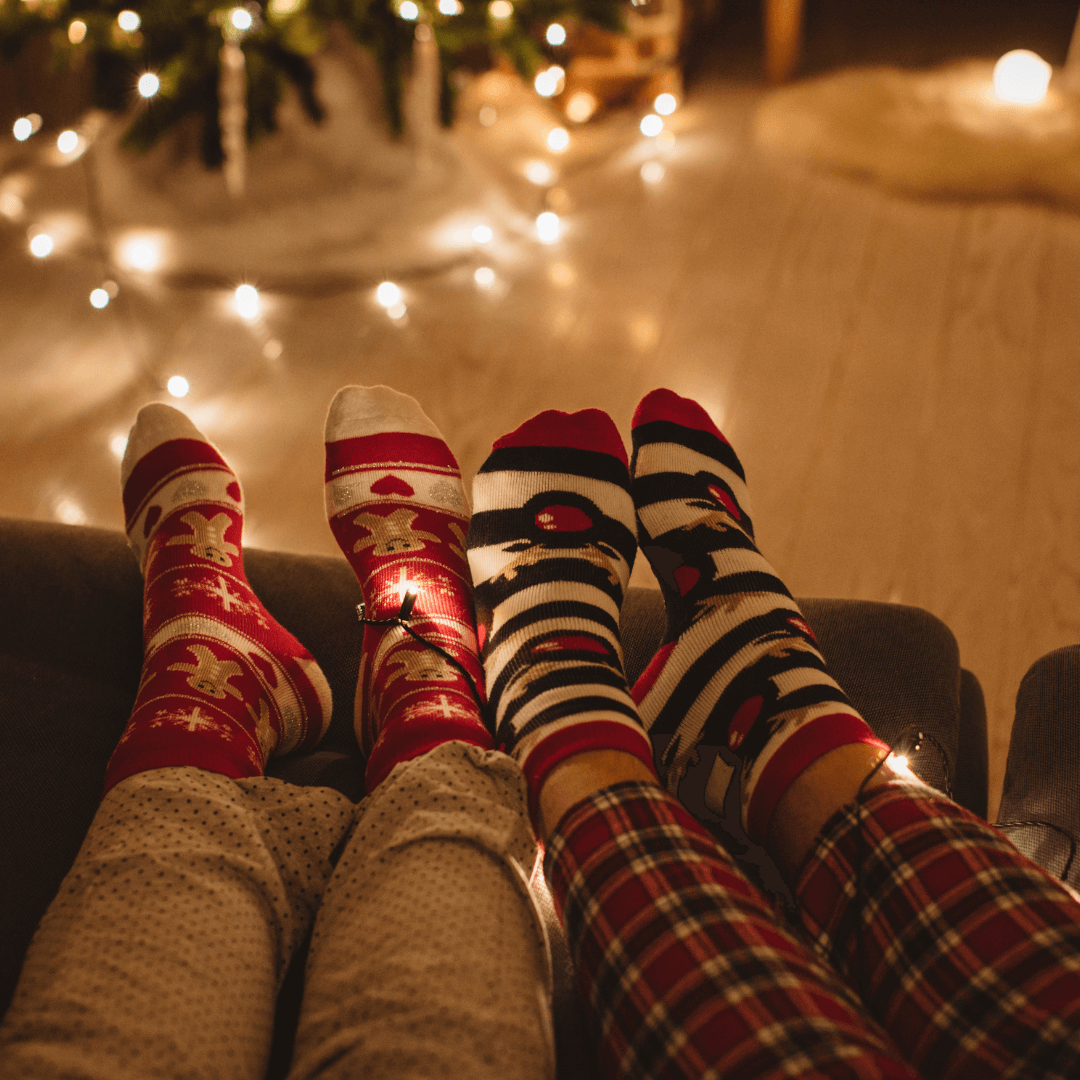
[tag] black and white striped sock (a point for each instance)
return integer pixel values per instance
(550, 547)
(739, 666)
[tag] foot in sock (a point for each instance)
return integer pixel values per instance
(397, 509)
(739, 667)
(224, 686)
(550, 547)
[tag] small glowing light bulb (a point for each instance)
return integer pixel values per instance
(67, 141)
(178, 386)
(556, 34)
(652, 172)
(99, 298)
(665, 104)
(651, 125)
(547, 227)
(1022, 77)
(388, 294)
(500, 9)
(482, 234)
(899, 763)
(23, 128)
(41, 245)
(539, 173)
(247, 301)
(558, 140)
(149, 84)
(129, 21)
(241, 18)
(409, 10)
(581, 106)
(76, 31)
(484, 276)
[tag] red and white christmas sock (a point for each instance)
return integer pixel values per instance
(551, 546)
(397, 509)
(739, 666)
(224, 686)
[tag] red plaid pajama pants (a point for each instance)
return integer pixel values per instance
(965, 953)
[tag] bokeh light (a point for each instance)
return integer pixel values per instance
(409, 10)
(539, 172)
(247, 301)
(548, 227)
(651, 125)
(500, 9)
(99, 298)
(665, 104)
(76, 31)
(129, 21)
(484, 276)
(149, 84)
(241, 18)
(388, 294)
(41, 245)
(482, 234)
(652, 172)
(22, 129)
(556, 34)
(451, 7)
(178, 386)
(141, 251)
(396, 311)
(487, 115)
(550, 81)
(558, 140)
(67, 142)
(11, 206)
(581, 106)
(118, 444)
(1022, 77)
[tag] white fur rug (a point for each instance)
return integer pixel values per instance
(932, 133)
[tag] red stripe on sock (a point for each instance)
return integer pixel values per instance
(799, 751)
(576, 739)
(647, 679)
(589, 429)
(388, 447)
(667, 405)
(158, 464)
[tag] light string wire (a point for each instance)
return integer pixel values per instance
(401, 620)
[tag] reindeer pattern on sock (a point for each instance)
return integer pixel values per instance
(207, 538)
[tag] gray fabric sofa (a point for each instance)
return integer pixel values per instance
(70, 654)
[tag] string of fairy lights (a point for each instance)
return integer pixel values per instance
(145, 252)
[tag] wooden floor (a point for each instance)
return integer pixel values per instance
(901, 379)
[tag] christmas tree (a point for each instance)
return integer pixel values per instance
(183, 44)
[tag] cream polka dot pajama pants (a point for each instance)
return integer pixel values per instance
(163, 952)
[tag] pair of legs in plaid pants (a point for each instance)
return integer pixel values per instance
(925, 944)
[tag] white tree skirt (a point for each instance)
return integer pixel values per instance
(933, 133)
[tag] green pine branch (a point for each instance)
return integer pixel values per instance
(180, 41)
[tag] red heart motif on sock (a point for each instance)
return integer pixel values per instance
(563, 519)
(686, 577)
(233, 491)
(727, 500)
(743, 720)
(391, 485)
